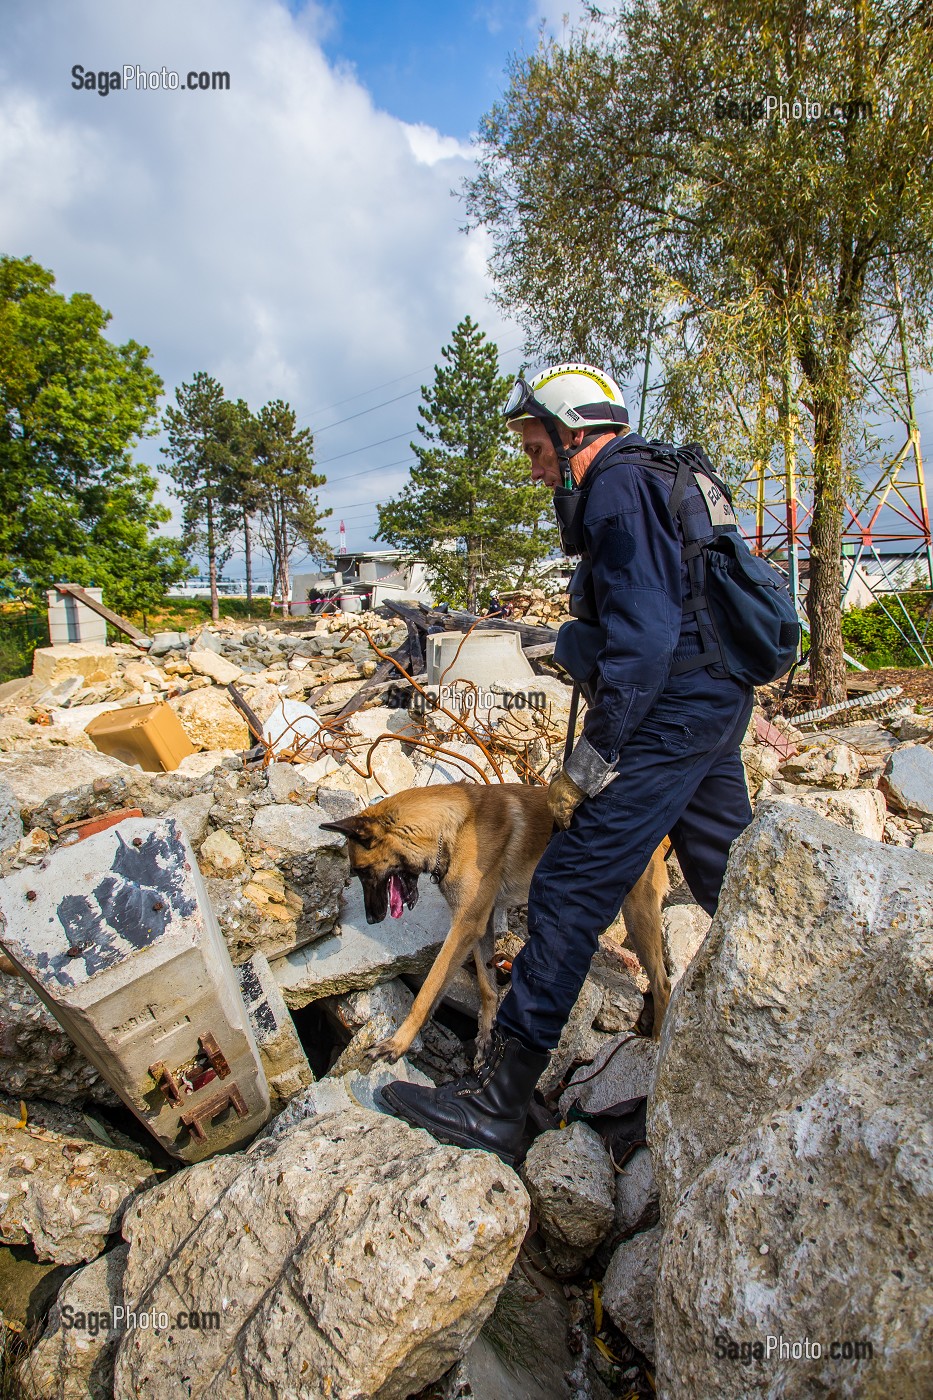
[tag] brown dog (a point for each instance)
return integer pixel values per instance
(481, 844)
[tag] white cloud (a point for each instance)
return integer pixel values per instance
(559, 16)
(284, 235)
(428, 146)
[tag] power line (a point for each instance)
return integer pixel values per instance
(365, 448)
(363, 411)
(388, 384)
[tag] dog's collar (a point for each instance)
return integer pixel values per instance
(438, 871)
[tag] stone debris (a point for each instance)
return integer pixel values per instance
(572, 1187)
(825, 766)
(628, 1293)
(907, 781)
(371, 1015)
(622, 1072)
(63, 1186)
(372, 1257)
(791, 1100)
(38, 1060)
(76, 1363)
(637, 1205)
(753, 1025)
(361, 955)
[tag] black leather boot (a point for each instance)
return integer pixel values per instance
(485, 1110)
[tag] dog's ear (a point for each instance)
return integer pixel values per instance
(360, 827)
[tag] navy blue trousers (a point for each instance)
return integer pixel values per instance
(680, 775)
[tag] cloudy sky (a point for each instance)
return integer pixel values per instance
(295, 236)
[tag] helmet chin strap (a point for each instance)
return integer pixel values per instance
(566, 454)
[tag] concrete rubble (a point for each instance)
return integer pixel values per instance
(766, 1104)
(63, 1185)
(322, 1292)
(790, 1120)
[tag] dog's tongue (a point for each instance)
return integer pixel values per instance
(395, 897)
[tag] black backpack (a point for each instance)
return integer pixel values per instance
(746, 616)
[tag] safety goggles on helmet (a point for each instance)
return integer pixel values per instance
(522, 401)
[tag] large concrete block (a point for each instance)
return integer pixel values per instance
(117, 937)
(93, 662)
(486, 658)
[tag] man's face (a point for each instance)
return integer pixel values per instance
(540, 452)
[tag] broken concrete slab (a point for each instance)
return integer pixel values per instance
(37, 777)
(62, 1188)
(211, 720)
(907, 781)
(208, 662)
(861, 810)
(116, 934)
(164, 642)
(283, 1058)
(88, 660)
(360, 954)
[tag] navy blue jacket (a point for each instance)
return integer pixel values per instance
(639, 582)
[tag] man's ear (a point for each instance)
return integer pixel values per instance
(360, 827)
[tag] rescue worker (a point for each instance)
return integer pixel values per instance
(659, 752)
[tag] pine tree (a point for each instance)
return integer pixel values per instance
(242, 489)
(200, 451)
(286, 483)
(469, 510)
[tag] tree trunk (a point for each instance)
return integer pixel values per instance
(824, 610)
(281, 554)
(212, 561)
(248, 550)
(472, 583)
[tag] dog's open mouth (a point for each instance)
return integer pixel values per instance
(402, 890)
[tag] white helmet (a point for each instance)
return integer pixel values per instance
(579, 396)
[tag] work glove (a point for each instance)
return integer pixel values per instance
(563, 799)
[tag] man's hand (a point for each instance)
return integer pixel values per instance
(563, 799)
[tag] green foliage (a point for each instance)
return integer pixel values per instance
(204, 433)
(285, 486)
(622, 178)
(74, 506)
(875, 635)
(21, 631)
(469, 510)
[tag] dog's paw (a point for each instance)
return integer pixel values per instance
(388, 1050)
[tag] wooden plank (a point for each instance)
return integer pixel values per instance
(425, 618)
(383, 672)
(79, 594)
(253, 722)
